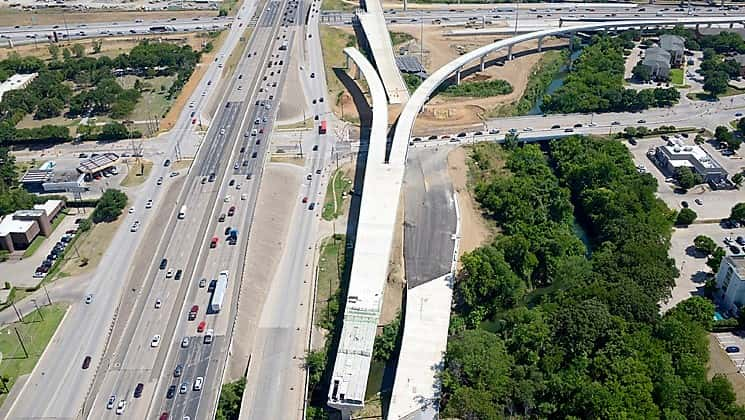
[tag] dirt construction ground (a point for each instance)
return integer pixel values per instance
(439, 49)
(474, 231)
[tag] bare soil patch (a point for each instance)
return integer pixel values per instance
(453, 113)
(474, 230)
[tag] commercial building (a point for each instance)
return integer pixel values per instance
(16, 81)
(675, 46)
(19, 229)
(98, 163)
(676, 154)
(50, 180)
(658, 62)
(731, 284)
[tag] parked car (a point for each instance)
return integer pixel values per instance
(732, 349)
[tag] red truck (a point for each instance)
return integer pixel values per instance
(322, 127)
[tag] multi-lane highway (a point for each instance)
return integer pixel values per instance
(27, 34)
(224, 180)
(58, 385)
(459, 15)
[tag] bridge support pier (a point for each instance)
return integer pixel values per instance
(540, 44)
(457, 77)
(509, 53)
(482, 63)
(731, 25)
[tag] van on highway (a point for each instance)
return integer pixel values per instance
(208, 336)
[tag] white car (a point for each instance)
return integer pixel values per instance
(155, 341)
(169, 273)
(112, 401)
(198, 383)
(185, 342)
(157, 303)
(135, 226)
(227, 198)
(88, 299)
(237, 186)
(120, 407)
(149, 204)
(243, 197)
(131, 210)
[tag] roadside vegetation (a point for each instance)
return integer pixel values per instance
(547, 326)
(336, 191)
(399, 37)
(229, 406)
(35, 331)
(109, 206)
(137, 173)
(339, 5)
(479, 89)
(78, 86)
(331, 290)
(596, 83)
(12, 196)
(333, 42)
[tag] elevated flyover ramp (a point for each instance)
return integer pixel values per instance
(378, 42)
(373, 243)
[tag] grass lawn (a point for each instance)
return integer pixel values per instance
(307, 124)
(235, 56)
(333, 42)
(90, 245)
(336, 190)
(36, 243)
(330, 273)
(400, 37)
(154, 102)
(676, 76)
(338, 5)
(704, 96)
(137, 174)
(35, 333)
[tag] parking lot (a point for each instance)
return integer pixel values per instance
(736, 344)
(715, 204)
(23, 269)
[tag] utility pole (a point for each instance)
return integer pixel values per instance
(38, 309)
(18, 314)
(23, 346)
(47, 293)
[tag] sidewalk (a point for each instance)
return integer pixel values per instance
(68, 289)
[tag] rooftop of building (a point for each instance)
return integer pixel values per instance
(48, 206)
(97, 163)
(738, 264)
(671, 42)
(677, 150)
(8, 224)
(16, 81)
(36, 176)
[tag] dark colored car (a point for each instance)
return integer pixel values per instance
(138, 390)
(86, 362)
(163, 263)
(177, 371)
(171, 391)
(732, 349)
(178, 274)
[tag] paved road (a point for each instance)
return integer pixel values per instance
(686, 114)
(230, 140)
(430, 217)
(276, 363)
(57, 387)
(477, 16)
(41, 33)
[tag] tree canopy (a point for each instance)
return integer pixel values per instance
(585, 338)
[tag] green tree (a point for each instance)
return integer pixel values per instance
(737, 178)
(686, 177)
(229, 406)
(222, 12)
(704, 244)
(85, 225)
(96, 45)
(716, 83)
(685, 217)
(385, 344)
(109, 206)
(642, 73)
(54, 51)
(737, 212)
(697, 309)
(66, 54)
(78, 50)
(715, 260)
(49, 108)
